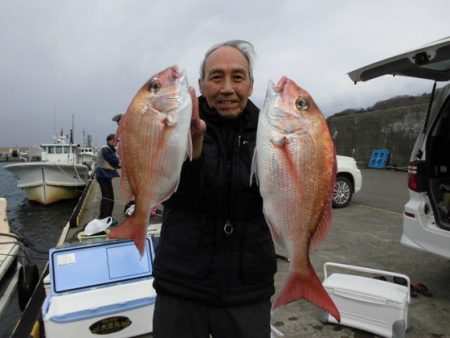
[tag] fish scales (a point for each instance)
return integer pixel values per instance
(295, 164)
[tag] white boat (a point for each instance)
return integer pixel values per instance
(87, 156)
(9, 265)
(58, 176)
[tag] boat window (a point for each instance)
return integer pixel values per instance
(66, 150)
(51, 150)
(59, 150)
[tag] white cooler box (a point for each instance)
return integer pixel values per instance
(369, 304)
(100, 289)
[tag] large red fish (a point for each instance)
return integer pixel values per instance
(295, 163)
(154, 141)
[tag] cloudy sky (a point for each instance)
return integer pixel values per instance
(87, 58)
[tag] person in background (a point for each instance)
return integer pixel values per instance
(107, 165)
(116, 118)
(215, 264)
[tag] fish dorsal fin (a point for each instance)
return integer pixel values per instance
(323, 227)
(325, 220)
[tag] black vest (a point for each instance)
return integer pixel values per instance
(215, 245)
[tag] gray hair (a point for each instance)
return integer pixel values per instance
(245, 47)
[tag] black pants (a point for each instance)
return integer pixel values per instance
(175, 317)
(107, 203)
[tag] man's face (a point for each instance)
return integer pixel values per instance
(227, 83)
(112, 142)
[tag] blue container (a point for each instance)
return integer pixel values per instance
(85, 266)
(379, 158)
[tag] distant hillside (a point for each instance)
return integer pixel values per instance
(391, 124)
(394, 102)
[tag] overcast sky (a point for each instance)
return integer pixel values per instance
(87, 58)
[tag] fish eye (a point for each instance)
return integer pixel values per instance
(155, 85)
(301, 104)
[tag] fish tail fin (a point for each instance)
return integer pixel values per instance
(131, 229)
(309, 287)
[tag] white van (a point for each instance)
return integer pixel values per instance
(426, 217)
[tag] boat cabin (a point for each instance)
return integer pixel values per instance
(60, 152)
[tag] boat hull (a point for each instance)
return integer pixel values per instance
(48, 194)
(47, 183)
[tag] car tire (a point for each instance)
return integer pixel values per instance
(342, 193)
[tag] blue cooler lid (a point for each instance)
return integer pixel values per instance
(79, 267)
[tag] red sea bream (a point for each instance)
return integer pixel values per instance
(154, 141)
(295, 165)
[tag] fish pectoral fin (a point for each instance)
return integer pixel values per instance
(171, 121)
(278, 139)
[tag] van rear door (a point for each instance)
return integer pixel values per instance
(431, 62)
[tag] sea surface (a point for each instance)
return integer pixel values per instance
(40, 225)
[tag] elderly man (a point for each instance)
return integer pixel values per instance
(215, 262)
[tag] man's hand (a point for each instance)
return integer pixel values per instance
(198, 127)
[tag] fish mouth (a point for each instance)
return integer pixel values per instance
(273, 96)
(279, 88)
(179, 76)
(176, 72)
(275, 90)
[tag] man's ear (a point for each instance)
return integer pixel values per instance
(250, 92)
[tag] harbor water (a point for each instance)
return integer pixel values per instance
(38, 224)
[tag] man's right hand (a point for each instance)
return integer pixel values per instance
(198, 127)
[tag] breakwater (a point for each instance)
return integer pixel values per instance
(391, 124)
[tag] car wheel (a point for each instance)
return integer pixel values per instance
(342, 194)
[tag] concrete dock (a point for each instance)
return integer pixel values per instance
(361, 235)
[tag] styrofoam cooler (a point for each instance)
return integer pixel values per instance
(100, 289)
(369, 304)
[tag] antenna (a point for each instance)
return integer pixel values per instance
(54, 119)
(72, 134)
